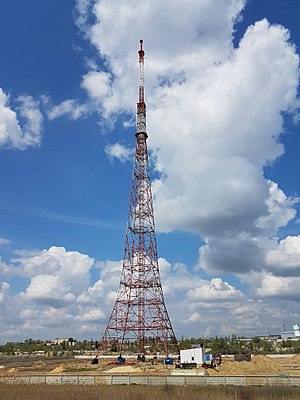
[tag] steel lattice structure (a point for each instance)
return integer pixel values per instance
(139, 315)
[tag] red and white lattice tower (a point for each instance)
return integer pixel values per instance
(139, 316)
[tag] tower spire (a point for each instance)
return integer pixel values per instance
(139, 316)
(141, 106)
(141, 80)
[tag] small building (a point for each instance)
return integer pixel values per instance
(191, 356)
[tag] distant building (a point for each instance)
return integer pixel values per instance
(270, 337)
(67, 341)
(291, 335)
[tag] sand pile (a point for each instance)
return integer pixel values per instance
(39, 364)
(11, 370)
(259, 365)
(126, 369)
(296, 358)
(57, 370)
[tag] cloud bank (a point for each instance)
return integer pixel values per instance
(60, 298)
(215, 116)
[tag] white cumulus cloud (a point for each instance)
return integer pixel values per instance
(97, 84)
(94, 314)
(279, 287)
(215, 290)
(70, 267)
(12, 134)
(4, 288)
(285, 259)
(53, 304)
(215, 116)
(46, 289)
(119, 151)
(70, 107)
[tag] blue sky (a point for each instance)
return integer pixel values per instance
(223, 124)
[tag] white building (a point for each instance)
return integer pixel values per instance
(294, 334)
(66, 341)
(196, 355)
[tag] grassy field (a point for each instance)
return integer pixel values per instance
(47, 392)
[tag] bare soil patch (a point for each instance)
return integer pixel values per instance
(258, 366)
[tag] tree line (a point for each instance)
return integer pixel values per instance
(223, 345)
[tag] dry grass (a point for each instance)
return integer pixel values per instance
(65, 392)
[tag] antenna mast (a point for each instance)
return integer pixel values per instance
(139, 315)
(141, 106)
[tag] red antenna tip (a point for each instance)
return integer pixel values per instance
(141, 51)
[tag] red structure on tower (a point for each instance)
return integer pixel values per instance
(139, 316)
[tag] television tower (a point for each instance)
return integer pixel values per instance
(139, 316)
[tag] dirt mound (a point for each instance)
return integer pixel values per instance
(121, 370)
(57, 370)
(39, 364)
(259, 365)
(11, 370)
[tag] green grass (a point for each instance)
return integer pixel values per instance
(124, 392)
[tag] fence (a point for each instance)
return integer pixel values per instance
(76, 379)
